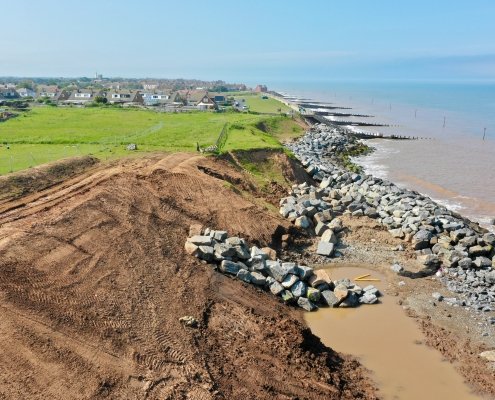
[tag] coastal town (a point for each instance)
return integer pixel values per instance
(166, 95)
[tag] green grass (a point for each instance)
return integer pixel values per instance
(47, 125)
(46, 134)
(267, 132)
(256, 103)
(21, 156)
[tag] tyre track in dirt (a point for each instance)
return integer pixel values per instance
(94, 279)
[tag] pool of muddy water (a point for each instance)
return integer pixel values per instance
(389, 344)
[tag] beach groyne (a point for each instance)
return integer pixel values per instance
(351, 128)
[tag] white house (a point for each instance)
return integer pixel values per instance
(25, 92)
(153, 98)
(81, 96)
(8, 94)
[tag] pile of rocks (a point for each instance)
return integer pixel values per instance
(308, 209)
(295, 284)
(476, 287)
(439, 236)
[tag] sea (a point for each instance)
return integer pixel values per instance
(453, 162)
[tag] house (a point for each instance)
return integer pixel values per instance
(198, 99)
(131, 97)
(80, 96)
(261, 89)
(153, 98)
(25, 92)
(50, 91)
(53, 93)
(8, 94)
(218, 98)
(61, 96)
(206, 103)
(158, 98)
(7, 86)
(150, 86)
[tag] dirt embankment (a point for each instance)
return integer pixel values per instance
(36, 179)
(94, 279)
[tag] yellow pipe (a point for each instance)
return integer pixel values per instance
(368, 280)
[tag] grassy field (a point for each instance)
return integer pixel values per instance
(46, 134)
(256, 103)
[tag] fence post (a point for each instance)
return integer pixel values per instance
(222, 138)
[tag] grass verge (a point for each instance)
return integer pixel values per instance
(46, 134)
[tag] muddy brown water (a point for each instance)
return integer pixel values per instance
(389, 343)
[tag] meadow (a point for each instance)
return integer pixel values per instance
(46, 134)
(258, 104)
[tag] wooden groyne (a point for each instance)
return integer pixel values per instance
(342, 115)
(313, 107)
(316, 119)
(309, 110)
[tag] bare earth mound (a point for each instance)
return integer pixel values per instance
(94, 279)
(39, 178)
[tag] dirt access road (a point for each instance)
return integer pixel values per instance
(94, 279)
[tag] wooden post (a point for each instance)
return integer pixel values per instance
(444, 122)
(484, 133)
(415, 113)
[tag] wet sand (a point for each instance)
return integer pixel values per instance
(457, 173)
(390, 344)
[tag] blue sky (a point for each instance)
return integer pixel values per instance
(250, 40)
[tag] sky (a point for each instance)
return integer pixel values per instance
(250, 40)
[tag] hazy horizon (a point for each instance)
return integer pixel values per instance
(255, 41)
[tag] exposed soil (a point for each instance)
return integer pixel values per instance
(282, 171)
(39, 178)
(94, 279)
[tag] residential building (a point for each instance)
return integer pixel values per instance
(26, 92)
(261, 89)
(8, 94)
(151, 98)
(198, 98)
(150, 86)
(50, 91)
(124, 97)
(218, 97)
(81, 96)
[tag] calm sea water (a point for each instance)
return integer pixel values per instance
(454, 165)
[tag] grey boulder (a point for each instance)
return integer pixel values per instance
(325, 249)
(229, 267)
(306, 304)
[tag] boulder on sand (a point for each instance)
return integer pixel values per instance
(325, 249)
(421, 240)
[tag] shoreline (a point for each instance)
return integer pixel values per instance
(444, 252)
(468, 190)
(478, 209)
